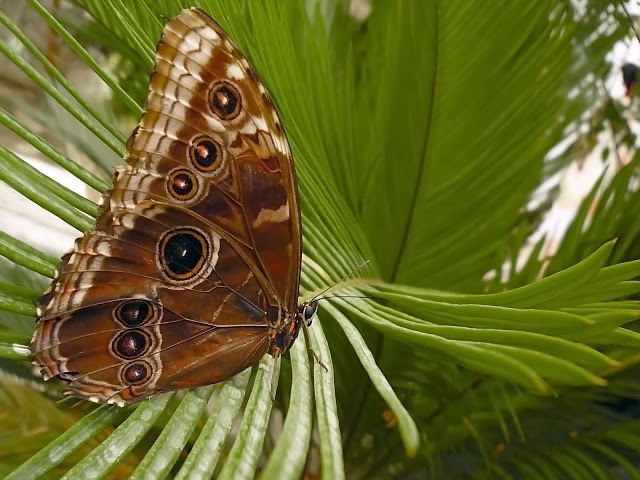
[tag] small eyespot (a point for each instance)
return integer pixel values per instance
(134, 313)
(137, 373)
(131, 344)
(224, 100)
(183, 185)
(205, 154)
(182, 253)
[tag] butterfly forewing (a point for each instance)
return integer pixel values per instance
(194, 261)
(200, 74)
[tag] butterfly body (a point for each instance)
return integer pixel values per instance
(192, 270)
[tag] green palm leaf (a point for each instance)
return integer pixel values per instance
(419, 134)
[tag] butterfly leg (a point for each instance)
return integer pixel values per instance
(316, 357)
(274, 375)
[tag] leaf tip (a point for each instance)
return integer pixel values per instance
(600, 382)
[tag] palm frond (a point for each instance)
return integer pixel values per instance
(415, 155)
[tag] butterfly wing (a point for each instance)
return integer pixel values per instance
(197, 241)
(142, 306)
(207, 108)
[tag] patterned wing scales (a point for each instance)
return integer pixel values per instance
(208, 112)
(126, 302)
(196, 253)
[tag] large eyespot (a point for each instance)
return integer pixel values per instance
(224, 100)
(205, 154)
(183, 253)
(137, 373)
(183, 184)
(131, 344)
(134, 313)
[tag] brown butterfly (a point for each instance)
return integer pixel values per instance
(192, 271)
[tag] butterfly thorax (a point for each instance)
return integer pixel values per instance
(281, 339)
(285, 333)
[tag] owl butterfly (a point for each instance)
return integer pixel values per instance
(191, 273)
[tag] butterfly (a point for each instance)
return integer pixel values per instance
(192, 271)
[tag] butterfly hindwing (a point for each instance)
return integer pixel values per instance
(121, 302)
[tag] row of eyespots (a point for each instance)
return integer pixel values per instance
(206, 156)
(205, 153)
(134, 342)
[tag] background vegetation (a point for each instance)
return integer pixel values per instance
(420, 132)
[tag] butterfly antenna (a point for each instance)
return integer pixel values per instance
(385, 301)
(343, 279)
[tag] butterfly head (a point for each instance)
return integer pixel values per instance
(307, 311)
